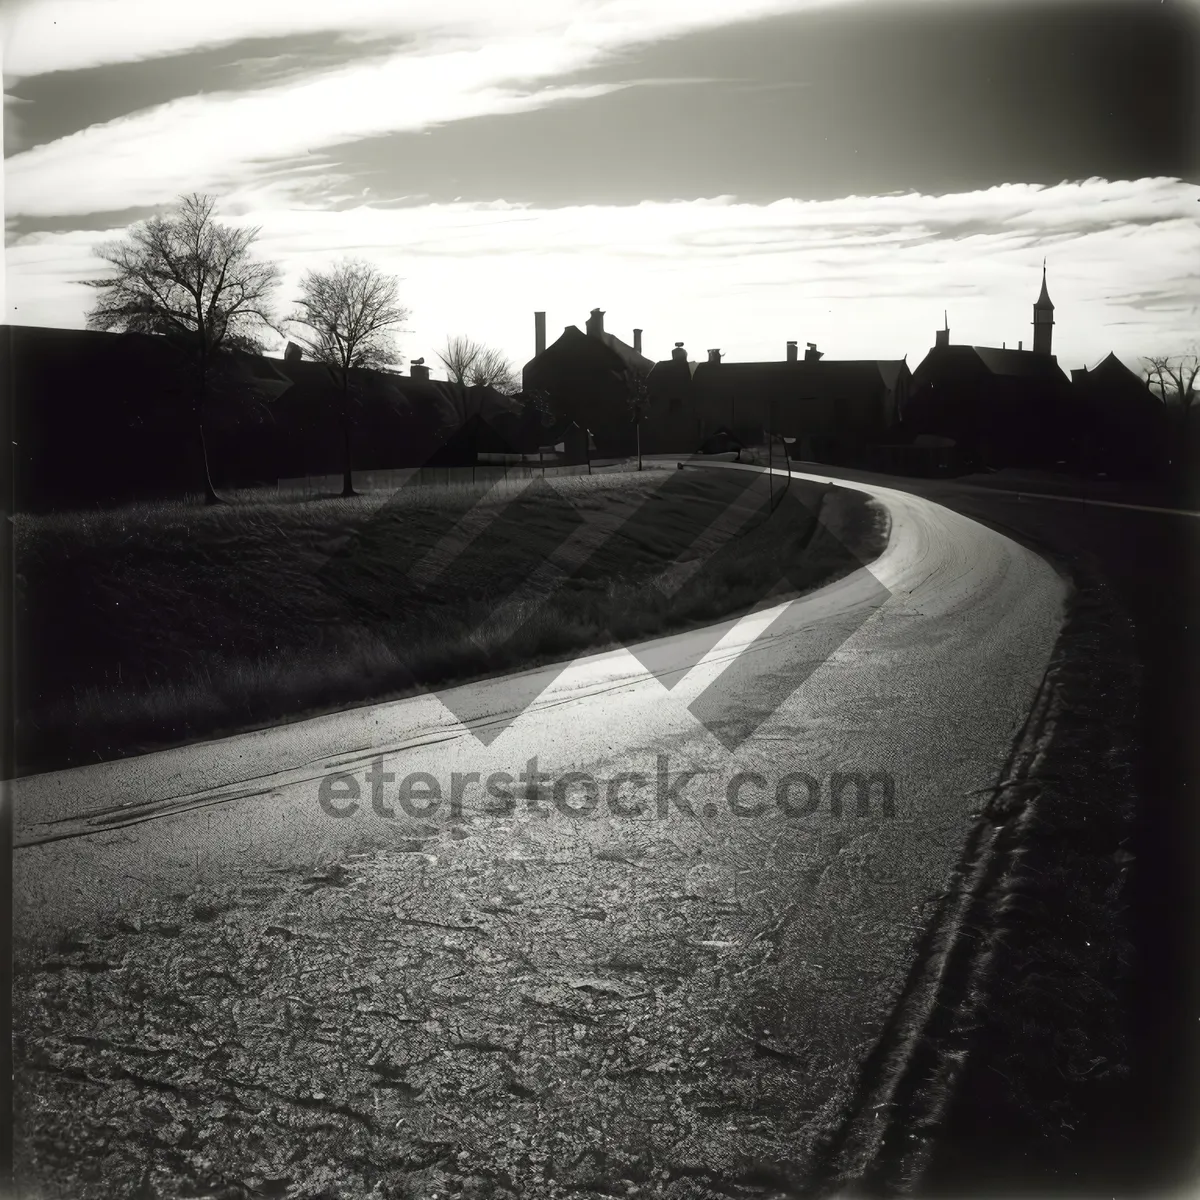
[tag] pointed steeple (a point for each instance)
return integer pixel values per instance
(1044, 301)
(1043, 318)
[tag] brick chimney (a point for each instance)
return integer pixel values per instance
(637, 340)
(539, 332)
(791, 351)
(811, 353)
(417, 369)
(595, 323)
(679, 354)
(714, 356)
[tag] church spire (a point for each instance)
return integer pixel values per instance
(1043, 301)
(1043, 318)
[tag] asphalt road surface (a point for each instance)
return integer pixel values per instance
(788, 934)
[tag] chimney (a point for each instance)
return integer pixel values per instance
(811, 353)
(679, 354)
(539, 332)
(1021, 345)
(417, 369)
(792, 351)
(292, 352)
(714, 356)
(637, 340)
(595, 323)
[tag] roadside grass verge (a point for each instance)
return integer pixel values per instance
(161, 624)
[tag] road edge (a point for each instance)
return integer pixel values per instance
(1048, 851)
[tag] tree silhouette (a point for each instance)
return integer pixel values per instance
(194, 281)
(470, 363)
(1176, 375)
(636, 386)
(347, 317)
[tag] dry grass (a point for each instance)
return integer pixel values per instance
(158, 624)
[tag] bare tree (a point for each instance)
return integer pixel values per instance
(193, 280)
(494, 369)
(348, 315)
(458, 356)
(1175, 375)
(636, 386)
(472, 364)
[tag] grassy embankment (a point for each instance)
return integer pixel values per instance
(145, 627)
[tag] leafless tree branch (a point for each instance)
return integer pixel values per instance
(1175, 375)
(193, 280)
(472, 364)
(346, 318)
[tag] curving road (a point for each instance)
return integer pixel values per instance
(787, 935)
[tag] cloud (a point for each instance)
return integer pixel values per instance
(862, 276)
(216, 143)
(460, 60)
(40, 36)
(454, 60)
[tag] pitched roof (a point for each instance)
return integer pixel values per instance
(627, 354)
(967, 364)
(1110, 365)
(1111, 381)
(1019, 364)
(892, 369)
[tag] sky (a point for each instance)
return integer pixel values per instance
(843, 172)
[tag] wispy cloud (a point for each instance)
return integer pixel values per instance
(452, 61)
(862, 276)
(221, 143)
(55, 35)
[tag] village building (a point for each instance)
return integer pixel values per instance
(1121, 423)
(584, 375)
(964, 406)
(1001, 407)
(830, 410)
